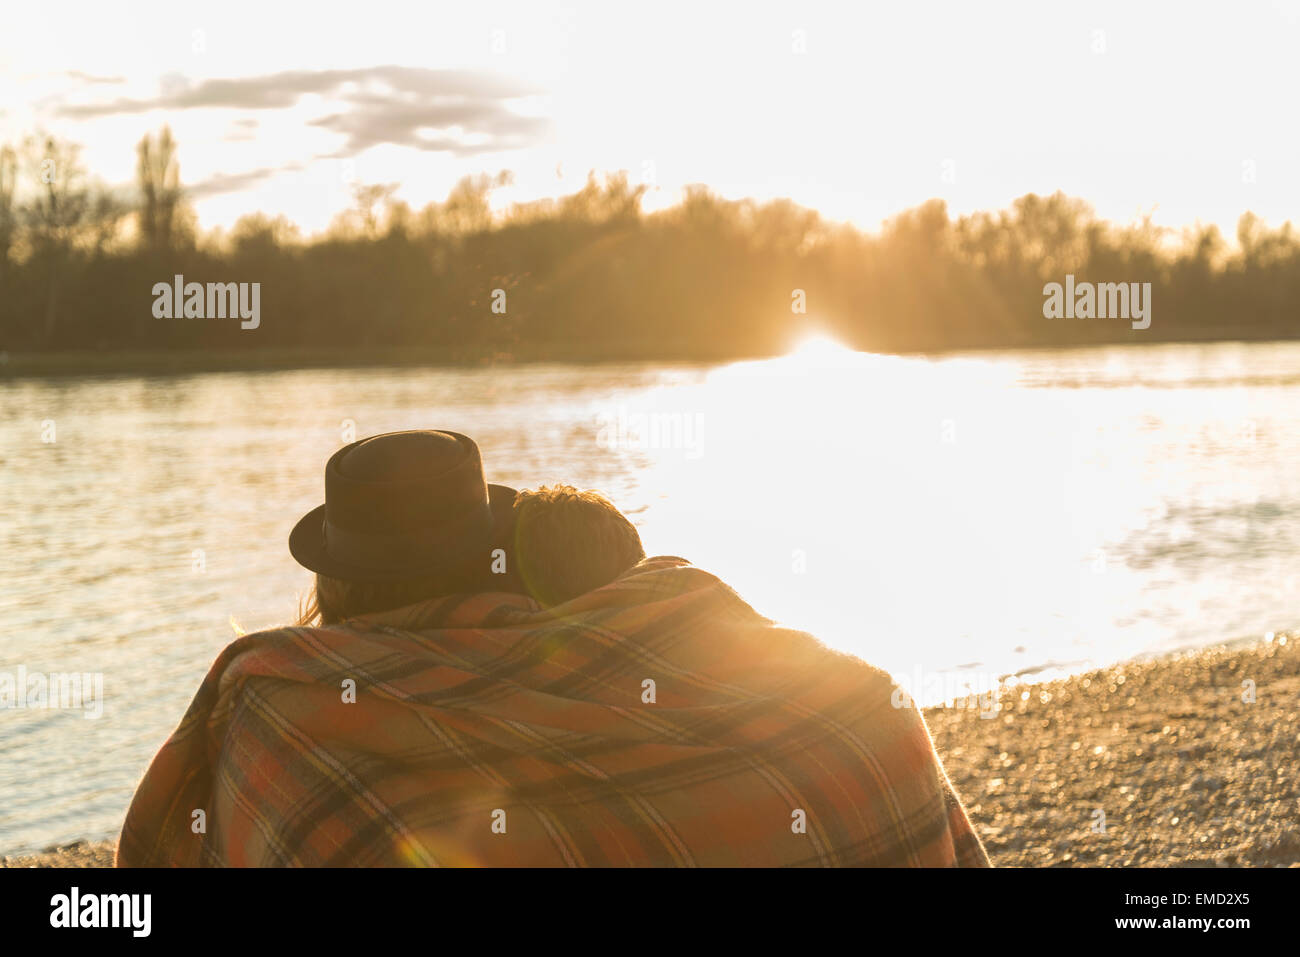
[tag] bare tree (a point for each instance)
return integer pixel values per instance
(8, 211)
(8, 227)
(104, 219)
(468, 207)
(56, 213)
(158, 176)
(367, 201)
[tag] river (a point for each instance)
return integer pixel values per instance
(953, 519)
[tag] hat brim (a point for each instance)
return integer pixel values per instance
(307, 543)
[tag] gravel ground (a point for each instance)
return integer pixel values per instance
(1148, 763)
(76, 854)
(1185, 772)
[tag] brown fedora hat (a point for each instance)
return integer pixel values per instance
(404, 505)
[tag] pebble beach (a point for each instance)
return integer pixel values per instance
(1188, 760)
(1185, 761)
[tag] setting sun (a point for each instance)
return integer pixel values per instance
(818, 347)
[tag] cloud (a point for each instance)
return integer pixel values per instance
(463, 129)
(458, 111)
(233, 182)
(88, 78)
(242, 130)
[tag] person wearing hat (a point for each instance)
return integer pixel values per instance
(407, 516)
(411, 734)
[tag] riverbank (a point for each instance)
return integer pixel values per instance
(1166, 762)
(271, 359)
(1187, 760)
(76, 854)
(138, 362)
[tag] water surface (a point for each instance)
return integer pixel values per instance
(946, 518)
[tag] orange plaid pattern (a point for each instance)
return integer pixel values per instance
(658, 721)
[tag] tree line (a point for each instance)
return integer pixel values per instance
(592, 275)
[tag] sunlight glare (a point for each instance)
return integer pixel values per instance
(818, 349)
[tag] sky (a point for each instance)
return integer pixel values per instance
(1184, 111)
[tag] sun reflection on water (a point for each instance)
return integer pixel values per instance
(965, 515)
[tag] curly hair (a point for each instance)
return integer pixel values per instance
(569, 542)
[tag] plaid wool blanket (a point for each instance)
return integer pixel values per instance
(659, 721)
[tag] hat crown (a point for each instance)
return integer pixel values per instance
(403, 504)
(401, 456)
(404, 481)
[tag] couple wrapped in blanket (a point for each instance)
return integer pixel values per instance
(557, 700)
